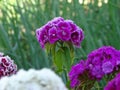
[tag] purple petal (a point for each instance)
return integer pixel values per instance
(107, 67)
(56, 20)
(53, 35)
(75, 72)
(77, 37)
(73, 26)
(74, 82)
(64, 31)
(97, 72)
(42, 36)
(110, 86)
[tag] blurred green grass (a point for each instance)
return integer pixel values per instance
(20, 18)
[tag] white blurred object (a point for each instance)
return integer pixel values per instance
(44, 79)
(1, 54)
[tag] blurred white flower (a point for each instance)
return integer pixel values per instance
(44, 79)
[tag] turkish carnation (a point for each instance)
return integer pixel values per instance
(103, 61)
(59, 29)
(76, 72)
(100, 62)
(7, 66)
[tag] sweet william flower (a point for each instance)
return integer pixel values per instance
(77, 37)
(56, 20)
(97, 72)
(110, 86)
(59, 30)
(75, 72)
(53, 35)
(42, 36)
(117, 81)
(7, 66)
(63, 31)
(107, 67)
(100, 62)
(73, 26)
(106, 58)
(74, 82)
(44, 79)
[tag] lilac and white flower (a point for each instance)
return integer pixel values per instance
(7, 66)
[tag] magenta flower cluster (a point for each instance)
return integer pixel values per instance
(100, 62)
(76, 72)
(114, 84)
(7, 66)
(59, 29)
(103, 61)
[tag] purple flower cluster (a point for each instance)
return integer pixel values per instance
(7, 66)
(59, 29)
(114, 84)
(103, 61)
(100, 62)
(76, 72)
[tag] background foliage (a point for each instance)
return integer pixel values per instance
(100, 20)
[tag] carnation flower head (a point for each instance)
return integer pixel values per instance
(64, 31)
(7, 66)
(56, 20)
(57, 30)
(42, 36)
(53, 35)
(72, 25)
(77, 37)
(107, 67)
(105, 59)
(100, 62)
(76, 72)
(96, 72)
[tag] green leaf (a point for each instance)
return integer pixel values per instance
(59, 59)
(67, 58)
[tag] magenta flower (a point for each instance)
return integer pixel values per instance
(7, 66)
(117, 82)
(73, 26)
(77, 37)
(114, 84)
(53, 35)
(75, 72)
(42, 36)
(106, 58)
(64, 31)
(74, 82)
(56, 20)
(107, 67)
(59, 29)
(48, 26)
(111, 86)
(100, 62)
(97, 72)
